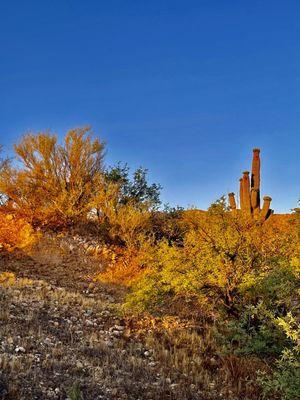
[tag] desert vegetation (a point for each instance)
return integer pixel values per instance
(107, 294)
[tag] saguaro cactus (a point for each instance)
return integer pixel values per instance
(250, 192)
(246, 192)
(232, 201)
(255, 176)
(265, 212)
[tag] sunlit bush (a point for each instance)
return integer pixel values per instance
(15, 233)
(124, 265)
(285, 379)
(224, 260)
(53, 184)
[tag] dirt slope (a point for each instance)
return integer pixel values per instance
(63, 337)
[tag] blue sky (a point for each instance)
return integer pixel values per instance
(184, 88)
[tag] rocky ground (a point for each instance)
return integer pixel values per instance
(62, 336)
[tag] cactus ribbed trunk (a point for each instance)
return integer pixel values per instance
(255, 201)
(265, 212)
(241, 194)
(255, 176)
(255, 182)
(246, 192)
(232, 201)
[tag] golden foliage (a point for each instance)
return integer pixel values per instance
(222, 256)
(55, 184)
(126, 266)
(7, 278)
(16, 233)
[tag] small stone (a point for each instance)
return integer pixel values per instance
(213, 361)
(20, 349)
(119, 327)
(174, 385)
(79, 365)
(152, 364)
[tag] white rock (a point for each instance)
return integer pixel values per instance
(119, 327)
(20, 349)
(152, 364)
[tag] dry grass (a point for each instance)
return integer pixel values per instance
(63, 336)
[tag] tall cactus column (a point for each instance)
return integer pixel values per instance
(255, 182)
(255, 176)
(242, 206)
(246, 193)
(265, 212)
(232, 201)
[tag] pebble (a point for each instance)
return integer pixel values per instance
(174, 385)
(79, 365)
(152, 364)
(119, 327)
(20, 349)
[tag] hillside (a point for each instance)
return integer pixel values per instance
(64, 336)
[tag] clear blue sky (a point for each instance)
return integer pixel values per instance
(184, 88)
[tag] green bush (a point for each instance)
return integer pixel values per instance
(285, 379)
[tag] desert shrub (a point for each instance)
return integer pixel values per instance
(285, 379)
(225, 260)
(54, 184)
(16, 233)
(253, 333)
(127, 224)
(126, 265)
(168, 224)
(277, 287)
(270, 296)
